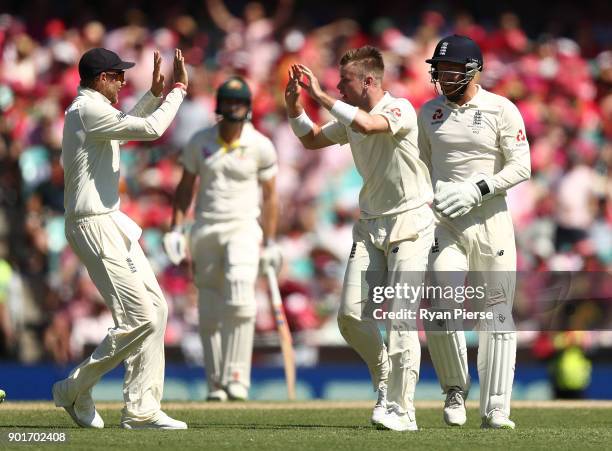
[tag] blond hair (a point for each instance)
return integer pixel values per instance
(368, 58)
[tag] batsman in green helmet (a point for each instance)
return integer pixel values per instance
(234, 100)
(227, 244)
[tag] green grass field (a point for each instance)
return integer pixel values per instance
(318, 425)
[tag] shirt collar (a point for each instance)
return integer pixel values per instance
(92, 93)
(228, 147)
(381, 103)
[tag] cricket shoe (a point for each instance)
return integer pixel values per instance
(159, 421)
(395, 420)
(218, 395)
(380, 408)
(454, 408)
(237, 392)
(82, 410)
(496, 419)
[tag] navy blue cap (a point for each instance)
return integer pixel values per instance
(97, 60)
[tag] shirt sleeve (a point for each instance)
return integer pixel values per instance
(102, 121)
(267, 166)
(423, 140)
(190, 155)
(515, 147)
(146, 105)
(400, 115)
(335, 132)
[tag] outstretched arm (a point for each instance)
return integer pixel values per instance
(221, 15)
(282, 14)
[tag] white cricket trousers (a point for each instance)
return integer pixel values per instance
(123, 275)
(480, 247)
(386, 251)
(225, 259)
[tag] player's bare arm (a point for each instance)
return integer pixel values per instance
(271, 254)
(174, 241)
(360, 120)
(183, 198)
(269, 213)
(309, 133)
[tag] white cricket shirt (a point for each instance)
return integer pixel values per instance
(395, 179)
(484, 136)
(90, 146)
(229, 173)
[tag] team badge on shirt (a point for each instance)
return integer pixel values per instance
(476, 124)
(206, 152)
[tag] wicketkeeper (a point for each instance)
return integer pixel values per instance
(474, 143)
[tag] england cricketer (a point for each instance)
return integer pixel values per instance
(474, 143)
(232, 160)
(106, 240)
(392, 238)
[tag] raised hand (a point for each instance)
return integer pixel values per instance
(292, 92)
(180, 71)
(157, 83)
(313, 87)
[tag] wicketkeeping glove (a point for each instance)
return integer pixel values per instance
(271, 256)
(175, 245)
(454, 199)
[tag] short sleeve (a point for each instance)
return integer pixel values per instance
(335, 132)
(190, 155)
(401, 116)
(267, 166)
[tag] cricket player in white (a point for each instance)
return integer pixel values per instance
(232, 160)
(392, 238)
(106, 240)
(474, 143)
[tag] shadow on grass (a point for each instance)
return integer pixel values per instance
(254, 426)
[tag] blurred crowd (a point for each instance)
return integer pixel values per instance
(49, 308)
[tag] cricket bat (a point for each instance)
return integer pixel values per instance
(286, 342)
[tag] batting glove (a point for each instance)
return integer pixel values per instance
(271, 256)
(175, 245)
(454, 199)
